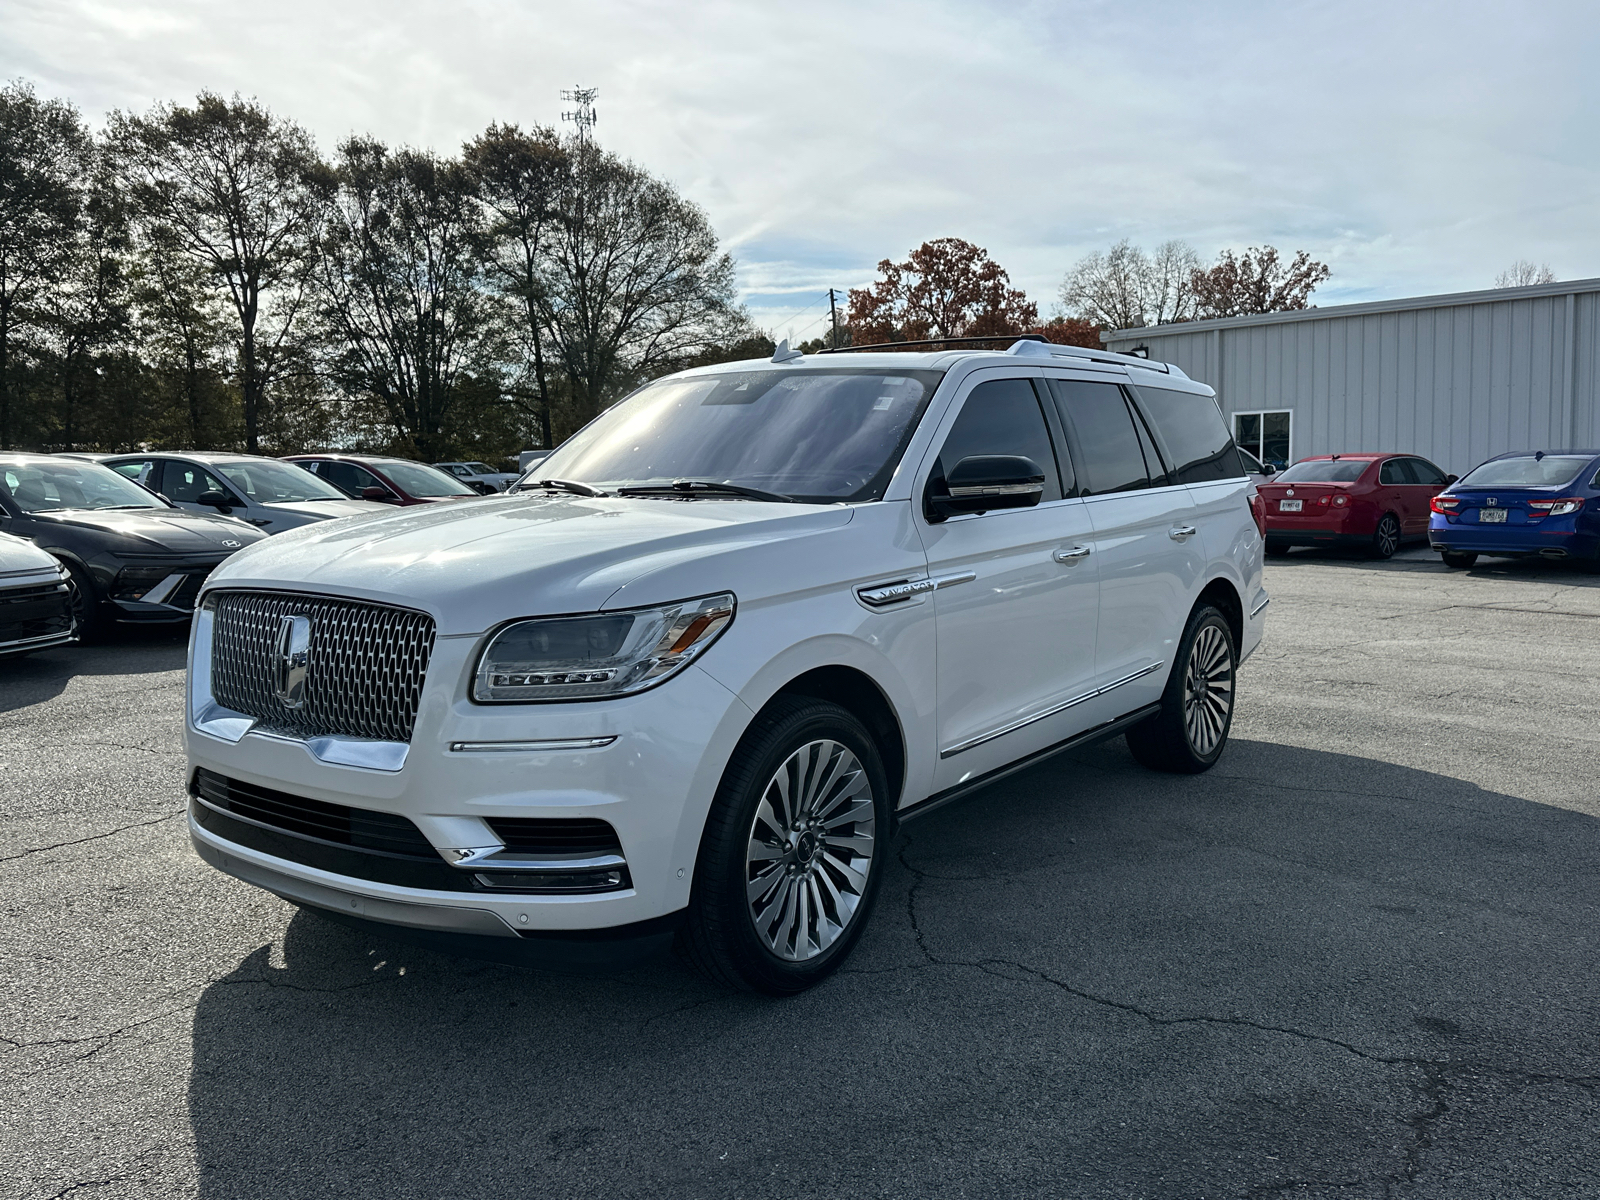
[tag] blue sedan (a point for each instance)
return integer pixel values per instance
(1519, 505)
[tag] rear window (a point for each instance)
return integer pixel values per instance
(1324, 470)
(1196, 436)
(1530, 471)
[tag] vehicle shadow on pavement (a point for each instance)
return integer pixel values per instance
(45, 674)
(1302, 971)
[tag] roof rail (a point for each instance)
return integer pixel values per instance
(1039, 348)
(959, 341)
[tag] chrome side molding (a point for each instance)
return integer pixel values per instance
(971, 743)
(883, 594)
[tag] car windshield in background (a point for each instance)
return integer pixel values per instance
(1550, 471)
(420, 481)
(1324, 470)
(41, 487)
(267, 482)
(814, 435)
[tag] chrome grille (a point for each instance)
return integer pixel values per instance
(364, 671)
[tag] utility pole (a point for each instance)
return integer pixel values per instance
(583, 115)
(833, 307)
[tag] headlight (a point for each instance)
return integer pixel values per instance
(593, 657)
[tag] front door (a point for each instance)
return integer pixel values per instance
(1016, 597)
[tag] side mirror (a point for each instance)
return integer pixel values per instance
(981, 482)
(1449, 479)
(1268, 469)
(214, 499)
(376, 493)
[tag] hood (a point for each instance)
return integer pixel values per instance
(19, 556)
(328, 510)
(160, 530)
(474, 565)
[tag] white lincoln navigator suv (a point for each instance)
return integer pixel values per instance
(686, 679)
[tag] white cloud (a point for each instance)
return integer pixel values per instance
(1417, 148)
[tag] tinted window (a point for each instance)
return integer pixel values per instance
(1324, 470)
(1526, 471)
(1194, 432)
(182, 483)
(1426, 472)
(1002, 417)
(348, 476)
(1395, 471)
(419, 480)
(1105, 444)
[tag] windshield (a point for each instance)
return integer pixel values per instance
(268, 482)
(44, 486)
(481, 469)
(420, 481)
(1550, 471)
(814, 435)
(1323, 470)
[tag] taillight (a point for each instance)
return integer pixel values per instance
(1445, 504)
(1336, 501)
(1258, 510)
(1556, 508)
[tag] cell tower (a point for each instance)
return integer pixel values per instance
(582, 115)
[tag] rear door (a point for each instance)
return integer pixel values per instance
(1397, 488)
(1428, 483)
(1016, 596)
(1146, 542)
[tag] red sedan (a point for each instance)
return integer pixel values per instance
(392, 480)
(1373, 501)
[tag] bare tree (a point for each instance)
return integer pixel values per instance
(518, 178)
(244, 193)
(44, 155)
(1523, 273)
(633, 279)
(1124, 288)
(401, 286)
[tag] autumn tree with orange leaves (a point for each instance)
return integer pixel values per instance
(946, 288)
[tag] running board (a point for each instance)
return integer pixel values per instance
(1100, 733)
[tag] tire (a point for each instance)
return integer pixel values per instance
(1386, 537)
(1276, 550)
(1190, 732)
(801, 760)
(88, 606)
(1456, 561)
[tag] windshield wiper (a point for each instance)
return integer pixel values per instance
(691, 487)
(575, 486)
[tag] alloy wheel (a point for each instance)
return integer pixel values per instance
(1388, 537)
(811, 849)
(1207, 690)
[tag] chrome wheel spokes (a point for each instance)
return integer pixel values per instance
(811, 848)
(1388, 537)
(1207, 690)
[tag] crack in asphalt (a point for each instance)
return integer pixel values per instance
(93, 837)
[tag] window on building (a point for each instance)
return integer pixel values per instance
(1265, 434)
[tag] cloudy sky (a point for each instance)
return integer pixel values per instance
(1415, 146)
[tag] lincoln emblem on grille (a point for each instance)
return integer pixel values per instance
(294, 648)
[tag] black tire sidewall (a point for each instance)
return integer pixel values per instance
(91, 619)
(1203, 617)
(719, 899)
(1162, 742)
(1377, 537)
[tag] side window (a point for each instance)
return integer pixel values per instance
(1395, 471)
(1002, 417)
(1426, 472)
(183, 483)
(342, 475)
(1195, 434)
(1105, 441)
(131, 470)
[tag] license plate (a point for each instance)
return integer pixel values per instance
(1290, 505)
(1491, 516)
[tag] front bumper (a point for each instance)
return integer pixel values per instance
(648, 765)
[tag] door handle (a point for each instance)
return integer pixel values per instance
(1076, 555)
(1179, 533)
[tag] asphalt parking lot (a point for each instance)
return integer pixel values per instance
(1357, 959)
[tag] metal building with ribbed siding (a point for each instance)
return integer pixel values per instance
(1455, 378)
